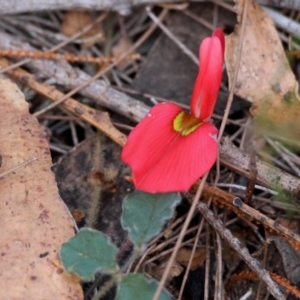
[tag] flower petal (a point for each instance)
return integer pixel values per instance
(209, 78)
(220, 35)
(151, 137)
(161, 159)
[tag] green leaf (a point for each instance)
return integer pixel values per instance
(145, 214)
(87, 253)
(137, 287)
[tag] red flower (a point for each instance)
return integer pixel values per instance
(170, 149)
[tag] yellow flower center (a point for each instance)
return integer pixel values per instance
(186, 123)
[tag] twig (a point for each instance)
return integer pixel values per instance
(142, 258)
(198, 19)
(219, 268)
(246, 295)
(20, 53)
(123, 7)
(166, 243)
(267, 175)
(252, 179)
(13, 169)
(265, 248)
(284, 22)
(284, 156)
(244, 188)
(292, 4)
(186, 273)
(253, 264)
(207, 262)
(170, 35)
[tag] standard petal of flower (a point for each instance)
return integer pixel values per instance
(166, 161)
(208, 81)
(220, 35)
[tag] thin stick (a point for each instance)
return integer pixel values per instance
(198, 19)
(170, 35)
(264, 265)
(207, 263)
(219, 268)
(23, 164)
(180, 238)
(186, 273)
(142, 258)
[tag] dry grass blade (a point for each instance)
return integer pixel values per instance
(191, 259)
(15, 168)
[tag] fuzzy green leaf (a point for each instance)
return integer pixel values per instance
(138, 287)
(88, 253)
(144, 215)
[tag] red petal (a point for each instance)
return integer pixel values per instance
(163, 160)
(220, 35)
(208, 82)
(150, 137)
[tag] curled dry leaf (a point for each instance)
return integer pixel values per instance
(264, 77)
(158, 271)
(34, 221)
(74, 21)
(123, 45)
(78, 215)
(290, 256)
(184, 254)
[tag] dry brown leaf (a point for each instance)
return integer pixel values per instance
(123, 45)
(184, 254)
(34, 221)
(78, 215)
(75, 21)
(290, 256)
(265, 77)
(158, 271)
